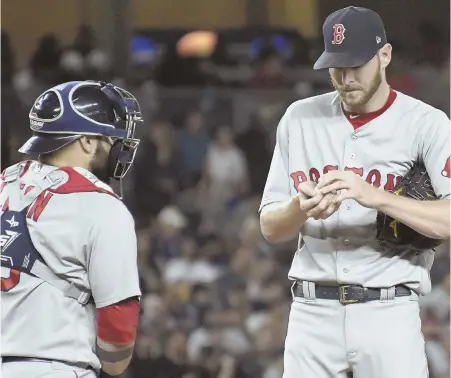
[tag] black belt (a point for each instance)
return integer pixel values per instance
(347, 294)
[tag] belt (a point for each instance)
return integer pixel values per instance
(347, 294)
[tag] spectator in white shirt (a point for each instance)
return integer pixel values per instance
(224, 181)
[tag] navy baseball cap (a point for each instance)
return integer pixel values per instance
(352, 37)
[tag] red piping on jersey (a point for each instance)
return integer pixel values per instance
(363, 119)
(25, 168)
(118, 323)
(77, 183)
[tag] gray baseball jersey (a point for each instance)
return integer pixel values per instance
(85, 235)
(313, 137)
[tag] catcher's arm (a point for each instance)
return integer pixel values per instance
(116, 333)
(430, 218)
(114, 282)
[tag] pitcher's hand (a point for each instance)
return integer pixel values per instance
(315, 204)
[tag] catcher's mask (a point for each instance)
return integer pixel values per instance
(68, 111)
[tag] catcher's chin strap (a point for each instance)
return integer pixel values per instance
(18, 201)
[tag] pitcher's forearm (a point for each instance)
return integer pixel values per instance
(282, 220)
(430, 218)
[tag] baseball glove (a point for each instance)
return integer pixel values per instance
(395, 235)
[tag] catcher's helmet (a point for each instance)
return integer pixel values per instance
(70, 110)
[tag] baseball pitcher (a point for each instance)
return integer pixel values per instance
(362, 174)
(69, 282)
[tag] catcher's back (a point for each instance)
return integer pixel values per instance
(46, 310)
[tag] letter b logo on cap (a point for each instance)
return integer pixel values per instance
(339, 31)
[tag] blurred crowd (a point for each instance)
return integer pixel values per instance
(216, 296)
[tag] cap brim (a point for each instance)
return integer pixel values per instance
(342, 60)
(45, 144)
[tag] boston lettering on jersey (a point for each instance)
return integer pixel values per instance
(37, 207)
(373, 177)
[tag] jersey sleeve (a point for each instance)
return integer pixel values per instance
(277, 187)
(112, 266)
(435, 153)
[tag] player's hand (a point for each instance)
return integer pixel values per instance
(351, 185)
(315, 204)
